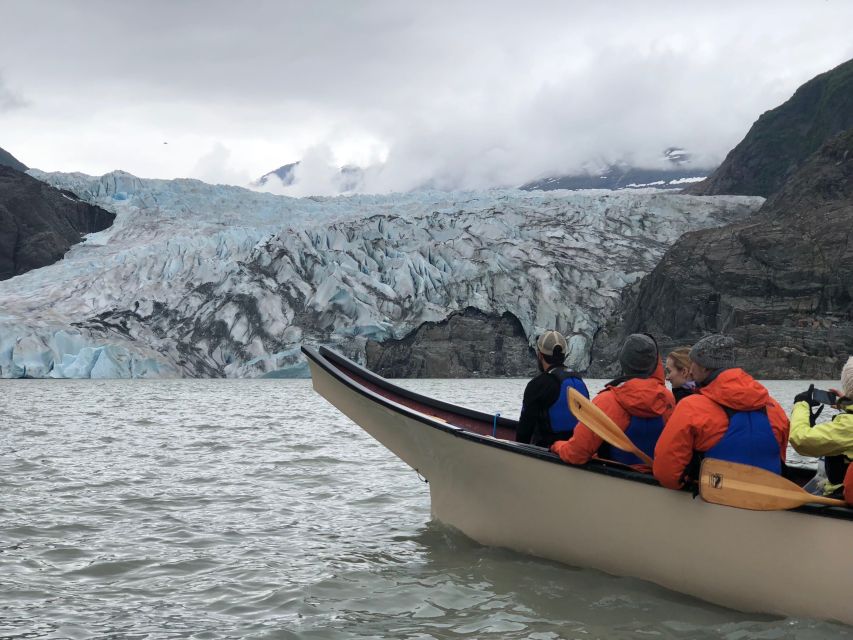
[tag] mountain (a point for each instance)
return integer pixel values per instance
(621, 177)
(39, 224)
(285, 173)
(676, 171)
(349, 178)
(782, 138)
(8, 160)
(778, 282)
(203, 280)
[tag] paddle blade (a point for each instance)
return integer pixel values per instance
(747, 487)
(601, 425)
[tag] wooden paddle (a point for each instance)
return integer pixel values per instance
(747, 487)
(602, 426)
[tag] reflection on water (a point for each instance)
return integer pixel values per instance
(253, 509)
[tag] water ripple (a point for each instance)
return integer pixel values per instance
(213, 509)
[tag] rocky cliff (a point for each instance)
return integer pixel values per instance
(466, 344)
(782, 138)
(38, 223)
(781, 282)
(8, 160)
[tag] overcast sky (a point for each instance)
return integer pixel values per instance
(458, 94)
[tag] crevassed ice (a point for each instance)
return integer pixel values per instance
(210, 280)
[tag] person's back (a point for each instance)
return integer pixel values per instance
(545, 415)
(638, 402)
(831, 440)
(732, 418)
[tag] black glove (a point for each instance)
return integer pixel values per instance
(806, 396)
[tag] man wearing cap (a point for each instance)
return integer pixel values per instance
(732, 417)
(545, 415)
(831, 440)
(638, 402)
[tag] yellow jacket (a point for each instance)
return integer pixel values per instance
(825, 439)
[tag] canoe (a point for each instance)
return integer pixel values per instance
(601, 515)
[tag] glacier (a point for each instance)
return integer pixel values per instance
(207, 280)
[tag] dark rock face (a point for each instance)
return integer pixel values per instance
(782, 138)
(8, 160)
(38, 223)
(781, 283)
(467, 344)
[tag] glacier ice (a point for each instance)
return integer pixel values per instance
(210, 280)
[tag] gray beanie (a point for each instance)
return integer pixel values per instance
(639, 355)
(714, 352)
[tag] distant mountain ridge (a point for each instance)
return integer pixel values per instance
(783, 138)
(617, 177)
(677, 172)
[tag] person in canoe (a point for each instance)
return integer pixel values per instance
(638, 402)
(677, 370)
(545, 415)
(831, 440)
(732, 417)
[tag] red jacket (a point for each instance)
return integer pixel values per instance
(643, 397)
(848, 485)
(699, 422)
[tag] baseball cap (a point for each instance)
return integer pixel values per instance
(550, 339)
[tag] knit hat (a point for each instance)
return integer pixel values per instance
(639, 355)
(714, 352)
(550, 339)
(847, 378)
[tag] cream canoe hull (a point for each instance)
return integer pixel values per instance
(746, 560)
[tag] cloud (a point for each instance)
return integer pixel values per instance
(317, 174)
(444, 94)
(215, 167)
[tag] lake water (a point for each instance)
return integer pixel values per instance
(254, 509)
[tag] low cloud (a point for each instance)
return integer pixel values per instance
(216, 167)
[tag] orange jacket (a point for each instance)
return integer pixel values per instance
(699, 422)
(848, 485)
(643, 397)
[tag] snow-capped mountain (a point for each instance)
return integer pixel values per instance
(201, 280)
(675, 169)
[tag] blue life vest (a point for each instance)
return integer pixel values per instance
(562, 420)
(749, 440)
(643, 432)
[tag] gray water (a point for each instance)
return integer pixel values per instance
(254, 509)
